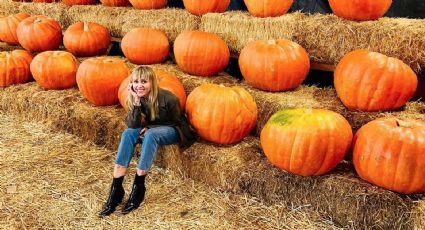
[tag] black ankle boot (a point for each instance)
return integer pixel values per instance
(137, 194)
(115, 197)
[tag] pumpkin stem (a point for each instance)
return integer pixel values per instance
(271, 42)
(309, 110)
(4, 54)
(37, 20)
(403, 124)
(86, 27)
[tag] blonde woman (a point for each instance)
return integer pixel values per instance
(154, 118)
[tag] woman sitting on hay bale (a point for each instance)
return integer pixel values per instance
(154, 118)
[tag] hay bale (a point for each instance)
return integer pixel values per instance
(8, 7)
(328, 38)
(239, 28)
(56, 11)
(6, 47)
(170, 20)
(322, 98)
(110, 17)
(339, 195)
(54, 179)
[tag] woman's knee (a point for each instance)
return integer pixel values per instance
(130, 133)
(149, 135)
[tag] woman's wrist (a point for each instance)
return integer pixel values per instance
(136, 102)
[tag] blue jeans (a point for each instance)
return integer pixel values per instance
(153, 137)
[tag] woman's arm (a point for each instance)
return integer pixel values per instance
(134, 118)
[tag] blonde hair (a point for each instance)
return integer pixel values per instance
(145, 73)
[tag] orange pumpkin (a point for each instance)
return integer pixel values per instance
(8, 27)
(201, 7)
(165, 81)
(268, 8)
(390, 153)
(99, 79)
(115, 2)
(145, 46)
(148, 4)
(79, 2)
(275, 65)
(54, 69)
(201, 53)
(371, 81)
(223, 115)
(360, 10)
(85, 39)
(15, 67)
(43, 1)
(39, 33)
(306, 141)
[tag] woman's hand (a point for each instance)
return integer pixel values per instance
(142, 133)
(134, 94)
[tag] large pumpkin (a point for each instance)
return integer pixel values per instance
(223, 115)
(55, 69)
(79, 2)
(201, 53)
(39, 33)
(274, 65)
(306, 141)
(15, 67)
(165, 81)
(370, 81)
(390, 152)
(115, 2)
(144, 46)
(99, 79)
(8, 27)
(85, 39)
(201, 7)
(148, 4)
(268, 8)
(360, 10)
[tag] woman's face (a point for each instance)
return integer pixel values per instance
(142, 87)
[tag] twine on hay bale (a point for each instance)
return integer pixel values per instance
(239, 28)
(170, 20)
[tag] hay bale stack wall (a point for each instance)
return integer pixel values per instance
(238, 168)
(119, 20)
(327, 38)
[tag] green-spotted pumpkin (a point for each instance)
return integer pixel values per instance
(306, 141)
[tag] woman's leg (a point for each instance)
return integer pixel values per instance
(153, 137)
(125, 153)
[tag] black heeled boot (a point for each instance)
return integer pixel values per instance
(115, 197)
(137, 194)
